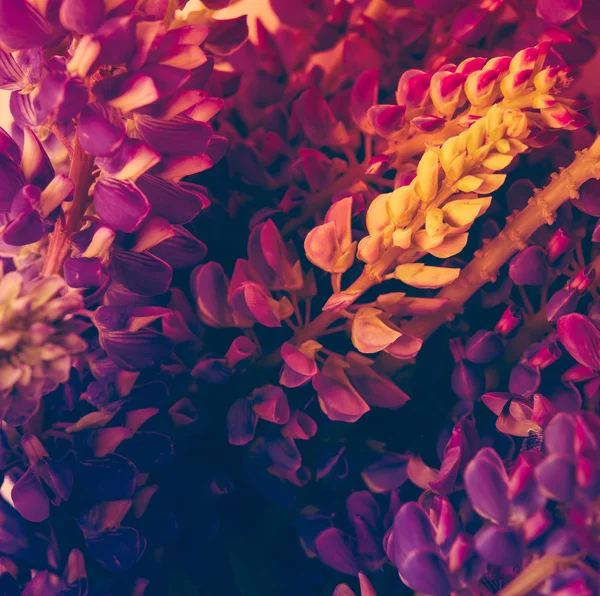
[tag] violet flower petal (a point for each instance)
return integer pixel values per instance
(486, 484)
(29, 497)
(142, 273)
(101, 130)
(22, 26)
(529, 267)
(338, 550)
(425, 571)
(108, 478)
(120, 204)
(178, 204)
(500, 545)
(581, 338)
(117, 549)
(241, 422)
(556, 478)
(179, 136)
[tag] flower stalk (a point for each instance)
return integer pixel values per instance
(80, 173)
(487, 261)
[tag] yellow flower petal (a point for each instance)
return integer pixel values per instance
(418, 275)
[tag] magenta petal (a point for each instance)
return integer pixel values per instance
(241, 422)
(338, 550)
(364, 96)
(271, 404)
(25, 229)
(252, 300)
(298, 368)
(117, 40)
(101, 130)
(8, 146)
(529, 267)
(338, 401)
(559, 437)
(284, 454)
(386, 119)
(501, 546)
(241, 352)
(82, 16)
(486, 483)
(22, 26)
(227, 35)
(317, 119)
(35, 163)
(83, 272)
(130, 160)
(581, 338)
(217, 148)
(178, 204)
(388, 472)
(61, 97)
(556, 478)
(11, 181)
(300, 426)
(29, 497)
(142, 273)
(446, 479)
(179, 136)
(484, 347)
(470, 25)
(209, 286)
(137, 351)
(558, 12)
(412, 531)
(180, 251)
(120, 204)
(377, 390)
(426, 572)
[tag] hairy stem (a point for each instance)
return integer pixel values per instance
(485, 265)
(81, 175)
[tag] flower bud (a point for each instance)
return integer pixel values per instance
(545, 355)
(582, 281)
(509, 321)
(559, 244)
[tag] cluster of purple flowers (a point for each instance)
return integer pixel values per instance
(338, 278)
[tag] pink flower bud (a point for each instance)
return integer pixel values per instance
(543, 410)
(511, 318)
(385, 120)
(559, 244)
(470, 65)
(524, 60)
(460, 552)
(364, 96)
(559, 116)
(479, 87)
(536, 525)
(499, 63)
(545, 356)
(582, 281)
(428, 123)
(413, 89)
(514, 83)
(446, 91)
